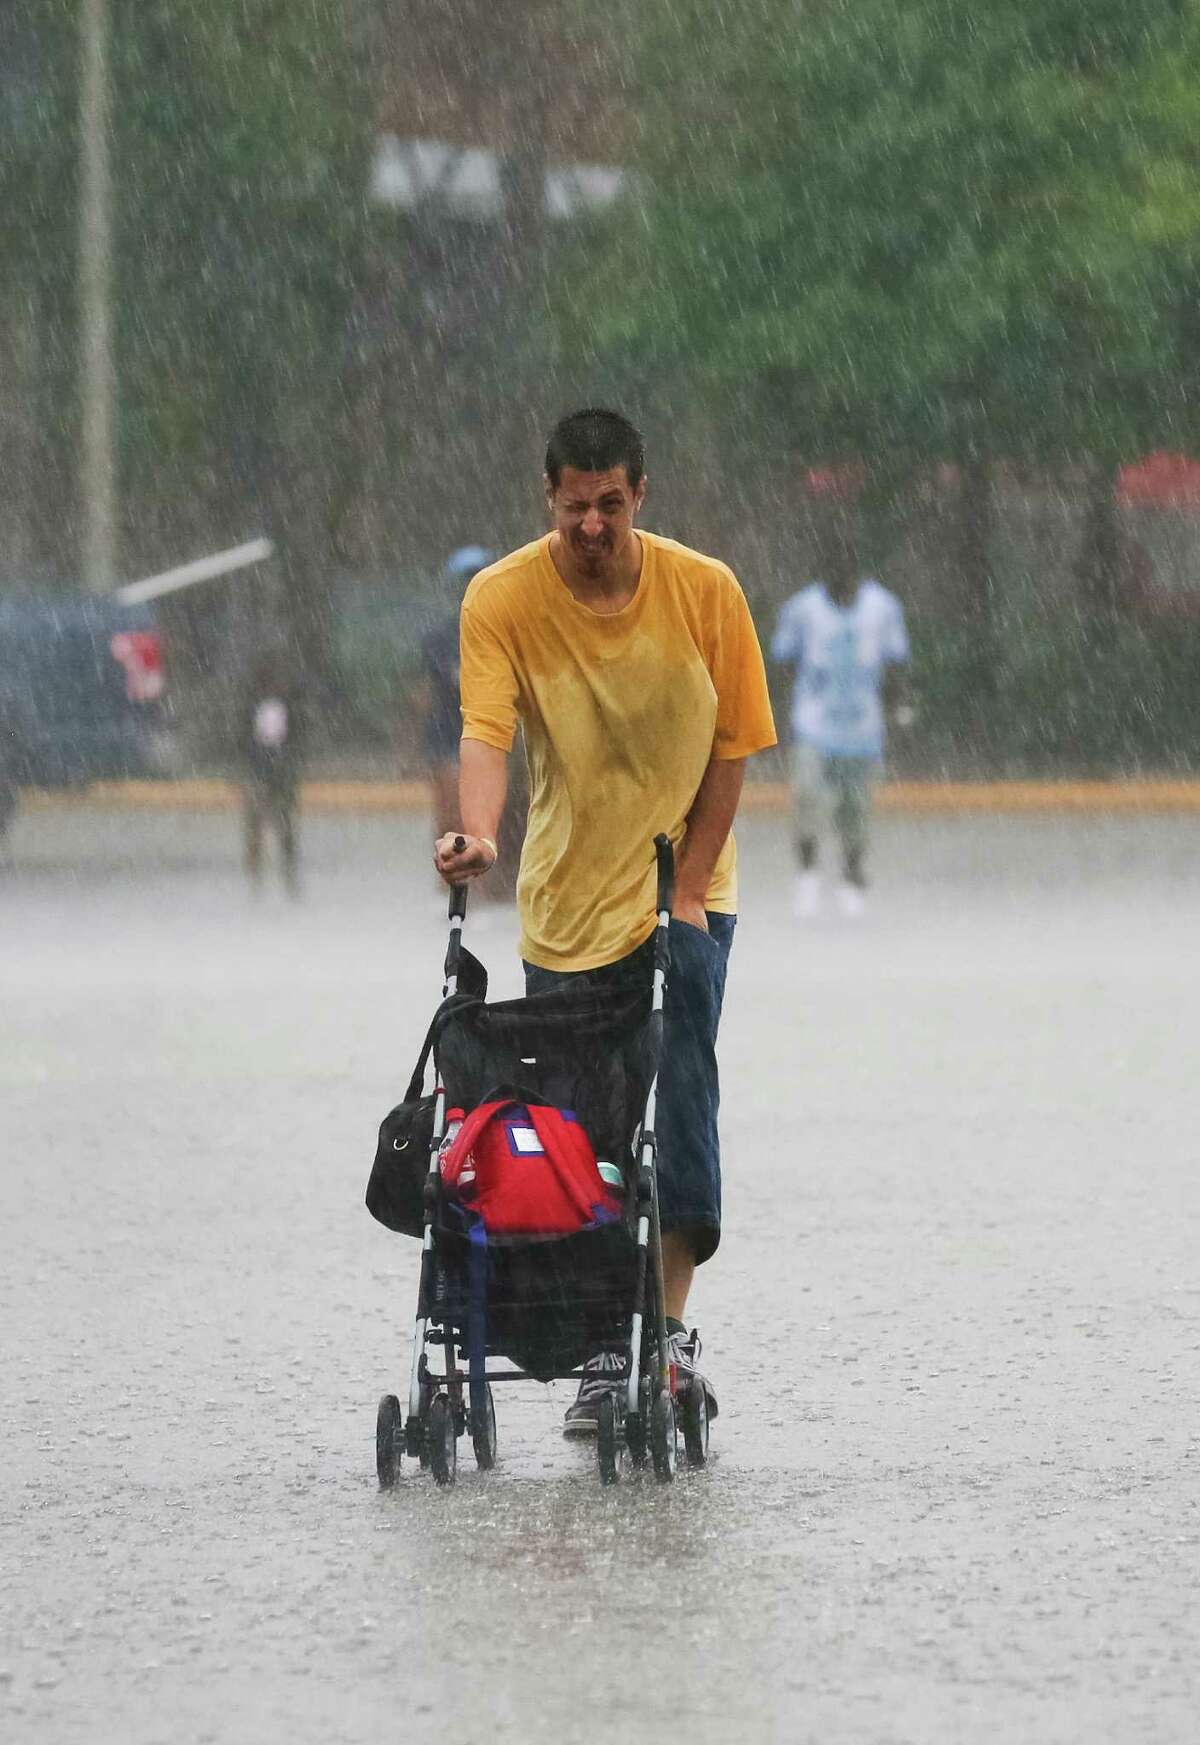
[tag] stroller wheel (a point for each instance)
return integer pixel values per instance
(607, 1450)
(388, 1441)
(416, 1431)
(662, 1436)
(695, 1424)
(442, 1440)
(636, 1425)
(483, 1431)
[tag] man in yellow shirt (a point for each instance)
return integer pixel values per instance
(633, 665)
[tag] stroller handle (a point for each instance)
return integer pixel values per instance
(665, 856)
(458, 893)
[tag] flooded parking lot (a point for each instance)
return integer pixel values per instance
(954, 1323)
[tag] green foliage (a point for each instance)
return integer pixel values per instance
(240, 143)
(921, 224)
(37, 139)
(242, 150)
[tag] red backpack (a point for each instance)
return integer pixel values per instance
(528, 1171)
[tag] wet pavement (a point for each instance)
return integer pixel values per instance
(954, 1324)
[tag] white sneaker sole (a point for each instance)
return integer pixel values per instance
(577, 1429)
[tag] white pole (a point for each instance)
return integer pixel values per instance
(202, 569)
(97, 468)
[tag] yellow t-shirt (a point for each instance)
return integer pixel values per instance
(622, 713)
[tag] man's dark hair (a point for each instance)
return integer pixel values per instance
(593, 441)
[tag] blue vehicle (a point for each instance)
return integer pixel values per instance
(81, 694)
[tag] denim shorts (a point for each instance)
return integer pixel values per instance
(689, 1094)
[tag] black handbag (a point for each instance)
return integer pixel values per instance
(396, 1187)
(395, 1190)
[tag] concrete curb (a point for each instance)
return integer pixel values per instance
(413, 796)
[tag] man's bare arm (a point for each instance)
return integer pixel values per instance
(708, 825)
(482, 790)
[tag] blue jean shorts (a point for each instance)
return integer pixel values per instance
(689, 1092)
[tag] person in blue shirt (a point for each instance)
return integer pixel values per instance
(844, 638)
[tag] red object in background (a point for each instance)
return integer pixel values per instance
(1160, 481)
(842, 481)
(1160, 542)
(139, 652)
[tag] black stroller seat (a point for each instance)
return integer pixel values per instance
(551, 1304)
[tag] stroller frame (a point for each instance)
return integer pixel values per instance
(651, 1403)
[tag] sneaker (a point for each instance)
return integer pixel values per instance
(806, 895)
(684, 1348)
(852, 902)
(601, 1375)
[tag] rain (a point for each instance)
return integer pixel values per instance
(293, 298)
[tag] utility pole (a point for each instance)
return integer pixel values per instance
(97, 467)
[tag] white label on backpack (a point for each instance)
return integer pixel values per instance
(526, 1142)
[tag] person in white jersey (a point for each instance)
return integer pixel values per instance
(845, 639)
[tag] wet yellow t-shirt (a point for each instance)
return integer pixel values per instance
(622, 713)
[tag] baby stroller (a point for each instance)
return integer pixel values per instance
(543, 1303)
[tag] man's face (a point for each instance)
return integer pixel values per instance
(593, 515)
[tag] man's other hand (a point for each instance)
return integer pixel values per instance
(690, 910)
(459, 857)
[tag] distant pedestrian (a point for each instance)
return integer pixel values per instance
(845, 639)
(271, 755)
(443, 730)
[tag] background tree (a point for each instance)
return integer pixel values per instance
(244, 239)
(911, 229)
(243, 131)
(37, 245)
